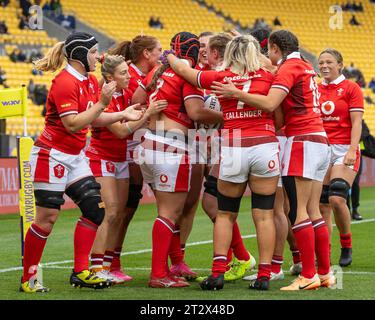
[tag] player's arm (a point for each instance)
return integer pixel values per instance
(122, 130)
(267, 103)
(355, 137)
(183, 70)
(132, 113)
(76, 122)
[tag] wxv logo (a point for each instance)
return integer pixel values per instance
(10, 103)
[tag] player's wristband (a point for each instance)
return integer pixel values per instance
(129, 129)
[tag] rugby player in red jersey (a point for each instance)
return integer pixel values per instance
(341, 104)
(57, 160)
(107, 158)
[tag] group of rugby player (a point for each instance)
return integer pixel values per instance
(292, 141)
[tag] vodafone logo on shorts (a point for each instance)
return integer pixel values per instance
(163, 178)
(328, 107)
(271, 164)
(59, 171)
(110, 167)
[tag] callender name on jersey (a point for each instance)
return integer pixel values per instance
(301, 106)
(176, 91)
(237, 115)
(338, 99)
(70, 93)
(104, 144)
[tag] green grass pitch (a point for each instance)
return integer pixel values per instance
(358, 280)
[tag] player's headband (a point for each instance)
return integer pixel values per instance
(77, 46)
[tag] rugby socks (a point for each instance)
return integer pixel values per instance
(237, 244)
(175, 252)
(108, 258)
(264, 270)
(305, 239)
(116, 262)
(322, 246)
(96, 260)
(84, 236)
(346, 240)
(277, 262)
(35, 242)
(219, 264)
(162, 234)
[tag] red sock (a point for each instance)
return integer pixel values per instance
(346, 240)
(183, 245)
(96, 260)
(116, 261)
(162, 234)
(84, 237)
(264, 270)
(107, 259)
(35, 242)
(237, 244)
(175, 252)
(305, 239)
(229, 259)
(277, 262)
(322, 246)
(219, 264)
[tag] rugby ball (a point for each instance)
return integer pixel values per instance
(212, 102)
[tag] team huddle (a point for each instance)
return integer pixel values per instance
(228, 109)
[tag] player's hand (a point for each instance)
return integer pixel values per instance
(133, 113)
(350, 157)
(108, 90)
(163, 58)
(234, 33)
(224, 90)
(156, 106)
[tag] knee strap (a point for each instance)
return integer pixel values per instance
(339, 187)
(49, 199)
(263, 202)
(86, 194)
(227, 203)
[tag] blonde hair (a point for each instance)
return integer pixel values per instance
(242, 55)
(53, 60)
(110, 63)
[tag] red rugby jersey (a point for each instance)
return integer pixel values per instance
(301, 106)
(338, 99)
(104, 144)
(237, 115)
(176, 91)
(136, 79)
(70, 93)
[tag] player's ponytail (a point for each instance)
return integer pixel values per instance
(53, 60)
(242, 55)
(286, 41)
(122, 49)
(158, 73)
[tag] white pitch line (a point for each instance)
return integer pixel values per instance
(150, 250)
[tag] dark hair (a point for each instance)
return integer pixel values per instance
(132, 50)
(285, 40)
(261, 35)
